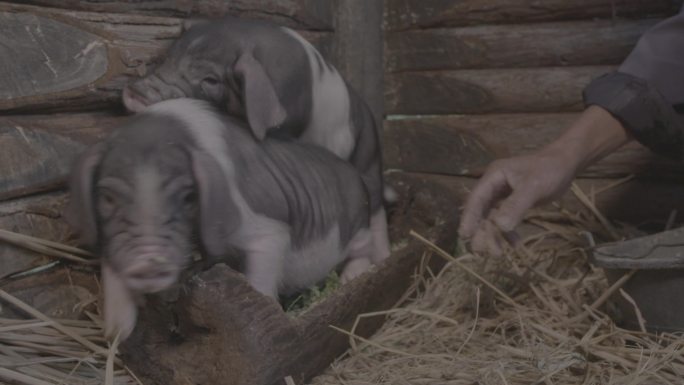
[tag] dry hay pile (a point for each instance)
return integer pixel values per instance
(41, 350)
(45, 351)
(534, 316)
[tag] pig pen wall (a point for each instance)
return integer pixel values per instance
(467, 82)
(63, 65)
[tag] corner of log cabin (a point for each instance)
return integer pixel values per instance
(468, 82)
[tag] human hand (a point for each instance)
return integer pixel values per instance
(510, 187)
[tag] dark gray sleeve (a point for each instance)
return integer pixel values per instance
(648, 89)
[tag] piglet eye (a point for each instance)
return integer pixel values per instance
(106, 202)
(210, 81)
(190, 198)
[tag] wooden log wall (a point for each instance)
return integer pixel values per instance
(63, 65)
(471, 81)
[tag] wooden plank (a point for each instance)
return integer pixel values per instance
(358, 49)
(302, 14)
(575, 43)
(130, 44)
(639, 202)
(553, 89)
(37, 151)
(464, 145)
(61, 57)
(406, 14)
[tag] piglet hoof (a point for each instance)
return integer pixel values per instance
(120, 310)
(354, 268)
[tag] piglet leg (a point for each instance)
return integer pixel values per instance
(360, 253)
(265, 261)
(381, 245)
(120, 311)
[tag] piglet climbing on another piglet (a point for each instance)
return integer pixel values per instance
(281, 85)
(180, 170)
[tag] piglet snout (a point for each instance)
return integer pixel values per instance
(150, 273)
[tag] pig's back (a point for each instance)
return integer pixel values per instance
(321, 191)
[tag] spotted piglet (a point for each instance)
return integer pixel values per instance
(281, 85)
(180, 171)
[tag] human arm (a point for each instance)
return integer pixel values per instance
(641, 100)
(512, 186)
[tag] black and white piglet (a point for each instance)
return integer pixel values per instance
(280, 84)
(181, 170)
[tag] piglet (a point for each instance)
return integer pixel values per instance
(180, 171)
(281, 85)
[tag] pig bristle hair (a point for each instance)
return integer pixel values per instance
(202, 122)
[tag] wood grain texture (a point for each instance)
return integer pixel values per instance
(554, 89)
(303, 14)
(575, 43)
(407, 14)
(39, 150)
(132, 42)
(464, 145)
(642, 202)
(358, 49)
(46, 56)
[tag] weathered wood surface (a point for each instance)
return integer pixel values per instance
(663, 250)
(46, 56)
(640, 202)
(465, 144)
(302, 14)
(38, 150)
(406, 14)
(358, 49)
(244, 338)
(38, 216)
(554, 89)
(575, 43)
(127, 44)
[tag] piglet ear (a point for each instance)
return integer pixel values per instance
(80, 211)
(263, 109)
(218, 213)
(132, 100)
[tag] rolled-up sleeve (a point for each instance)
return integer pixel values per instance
(647, 90)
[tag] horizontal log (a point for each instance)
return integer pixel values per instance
(36, 152)
(552, 89)
(406, 14)
(574, 43)
(640, 202)
(464, 145)
(89, 69)
(303, 14)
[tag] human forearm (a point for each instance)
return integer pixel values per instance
(591, 137)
